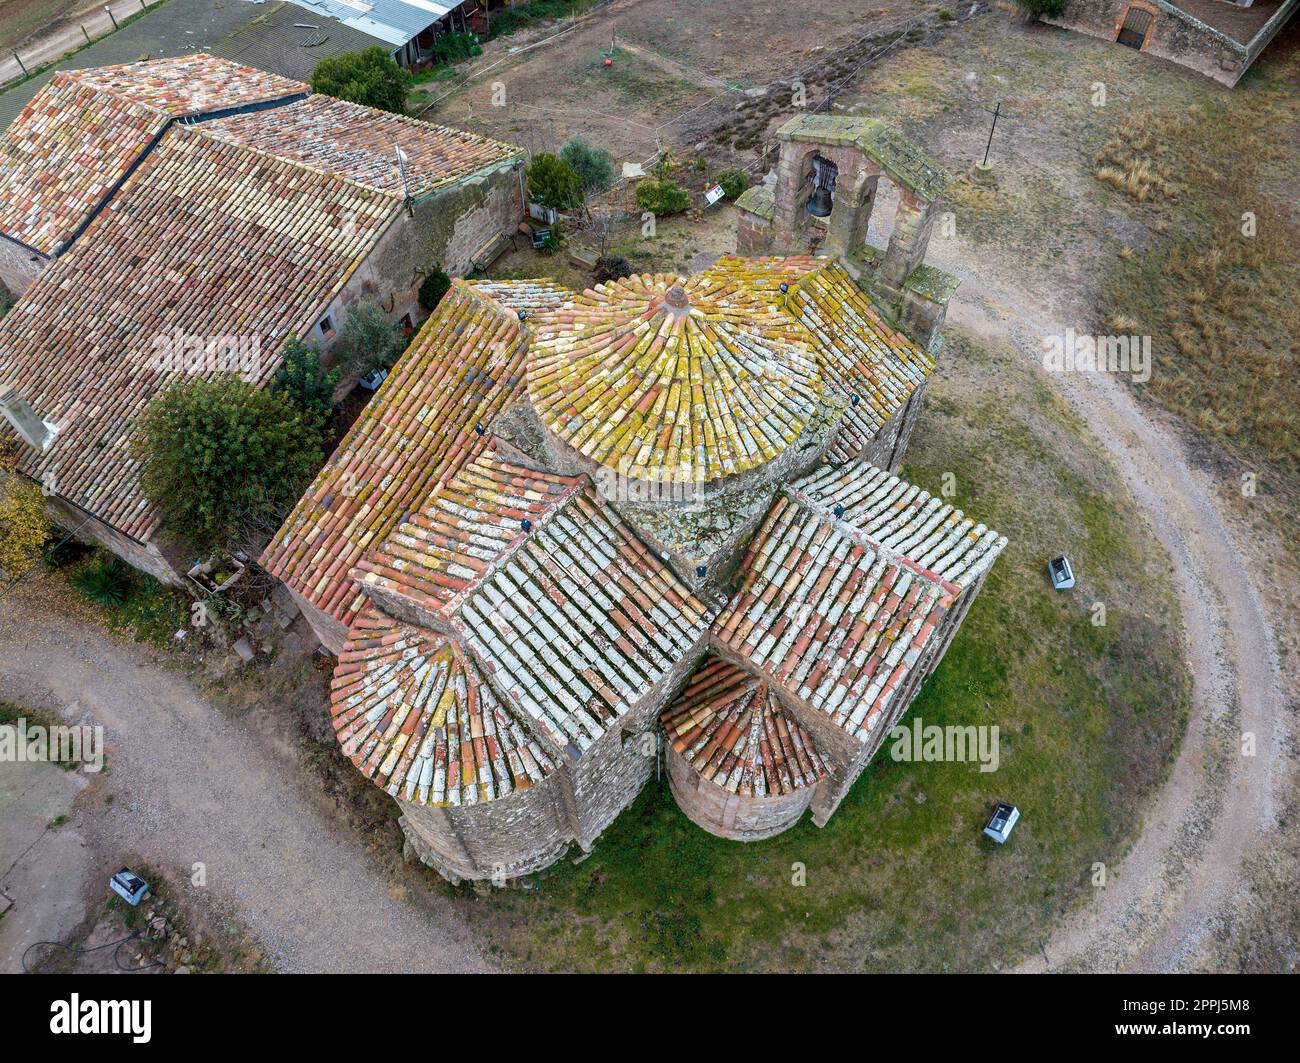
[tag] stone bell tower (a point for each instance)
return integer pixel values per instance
(824, 192)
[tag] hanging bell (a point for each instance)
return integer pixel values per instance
(819, 203)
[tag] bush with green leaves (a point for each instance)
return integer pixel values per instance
(733, 182)
(662, 197)
(303, 381)
(433, 288)
(453, 47)
(105, 582)
(594, 167)
(368, 77)
(553, 182)
(225, 461)
(368, 340)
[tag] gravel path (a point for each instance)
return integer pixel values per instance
(1164, 901)
(190, 785)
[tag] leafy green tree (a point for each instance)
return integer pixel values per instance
(433, 288)
(662, 197)
(224, 460)
(368, 77)
(733, 182)
(369, 339)
(303, 381)
(594, 167)
(553, 182)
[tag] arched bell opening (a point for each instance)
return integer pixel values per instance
(821, 201)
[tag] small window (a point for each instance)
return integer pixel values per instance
(326, 327)
(407, 323)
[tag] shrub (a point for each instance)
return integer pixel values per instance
(593, 166)
(946, 14)
(224, 461)
(304, 383)
(433, 288)
(612, 268)
(368, 77)
(453, 47)
(369, 339)
(103, 582)
(24, 527)
(662, 197)
(733, 182)
(553, 182)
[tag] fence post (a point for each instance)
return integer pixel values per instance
(87, 35)
(110, 15)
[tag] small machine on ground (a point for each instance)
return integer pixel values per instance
(1061, 572)
(1005, 817)
(129, 886)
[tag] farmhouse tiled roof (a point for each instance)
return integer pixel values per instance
(415, 714)
(733, 730)
(431, 415)
(660, 378)
(335, 136)
(844, 586)
(82, 133)
(204, 240)
(185, 86)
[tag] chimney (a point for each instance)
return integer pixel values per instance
(34, 432)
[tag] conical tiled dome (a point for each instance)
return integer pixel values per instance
(671, 380)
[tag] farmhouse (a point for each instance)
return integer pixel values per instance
(579, 535)
(197, 202)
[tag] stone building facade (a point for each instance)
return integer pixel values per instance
(191, 216)
(581, 537)
(1217, 38)
(846, 157)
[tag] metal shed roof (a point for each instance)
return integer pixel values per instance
(394, 21)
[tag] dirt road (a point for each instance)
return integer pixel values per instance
(1162, 903)
(67, 35)
(191, 786)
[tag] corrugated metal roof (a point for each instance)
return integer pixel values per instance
(394, 21)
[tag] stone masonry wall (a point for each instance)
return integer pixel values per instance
(19, 266)
(144, 556)
(512, 836)
(1173, 35)
(729, 815)
(445, 229)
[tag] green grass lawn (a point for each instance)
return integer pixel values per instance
(901, 878)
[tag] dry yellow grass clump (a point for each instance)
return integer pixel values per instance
(1130, 161)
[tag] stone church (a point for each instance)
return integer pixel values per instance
(581, 537)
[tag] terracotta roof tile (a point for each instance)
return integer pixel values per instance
(837, 615)
(335, 136)
(188, 85)
(204, 240)
(863, 358)
(733, 730)
(430, 416)
(574, 619)
(686, 395)
(82, 133)
(465, 529)
(414, 713)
